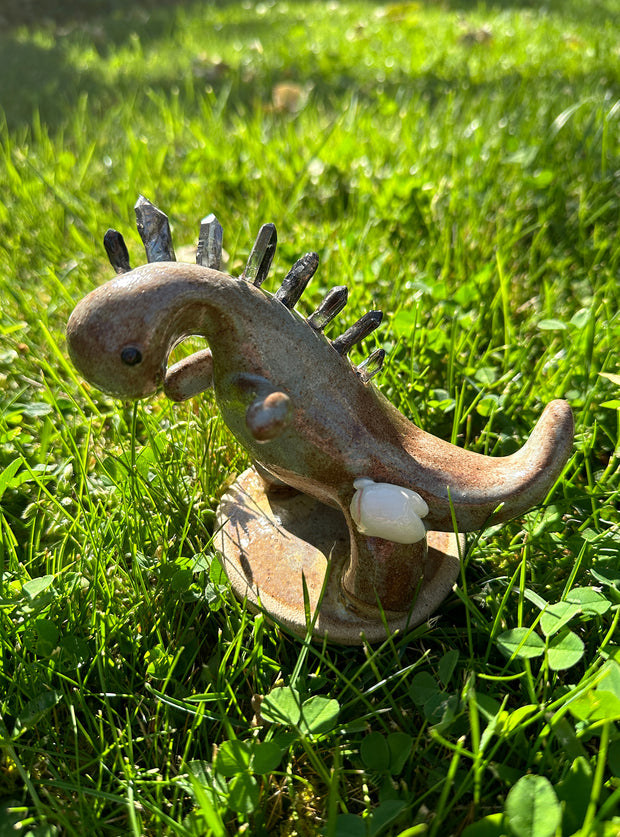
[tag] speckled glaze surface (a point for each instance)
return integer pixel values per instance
(310, 419)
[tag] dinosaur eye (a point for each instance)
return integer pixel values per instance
(131, 356)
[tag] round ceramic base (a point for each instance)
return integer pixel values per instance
(274, 543)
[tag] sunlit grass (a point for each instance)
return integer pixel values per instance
(455, 167)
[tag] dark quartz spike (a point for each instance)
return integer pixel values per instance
(332, 305)
(209, 249)
(362, 328)
(296, 279)
(372, 365)
(116, 249)
(154, 229)
(262, 254)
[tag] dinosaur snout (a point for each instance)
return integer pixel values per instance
(120, 366)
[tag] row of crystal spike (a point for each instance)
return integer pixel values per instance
(154, 229)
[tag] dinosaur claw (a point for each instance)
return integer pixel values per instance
(154, 229)
(295, 281)
(190, 376)
(116, 249)
(263, 251)
(209, 249)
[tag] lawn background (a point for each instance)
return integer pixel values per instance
(456, 165)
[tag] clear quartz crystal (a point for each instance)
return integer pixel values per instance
(263, 251)
(154, 229)
(209, 249)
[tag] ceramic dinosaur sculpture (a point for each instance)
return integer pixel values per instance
(312, 422)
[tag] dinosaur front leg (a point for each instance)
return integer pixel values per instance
(190, 376)
(254, 406)
(268, 415)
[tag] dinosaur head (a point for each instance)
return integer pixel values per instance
(120, 336)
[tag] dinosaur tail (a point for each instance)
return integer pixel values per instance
(477, 488)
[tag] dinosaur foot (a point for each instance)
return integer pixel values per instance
(273, 544)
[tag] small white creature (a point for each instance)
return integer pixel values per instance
(388, 511)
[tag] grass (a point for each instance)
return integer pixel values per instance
(454, 164)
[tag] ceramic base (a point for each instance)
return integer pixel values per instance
(271, 541)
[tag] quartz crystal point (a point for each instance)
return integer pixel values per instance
(362, 328)
(372, 365)
(154, 230)
(332, 305)
(296, 279)
(209, 249)
(262, 254)
(116, 249)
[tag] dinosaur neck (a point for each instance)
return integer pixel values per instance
(192, 300)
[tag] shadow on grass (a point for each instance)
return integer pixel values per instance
(38, 75)
(61, 12)
(55, 13)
